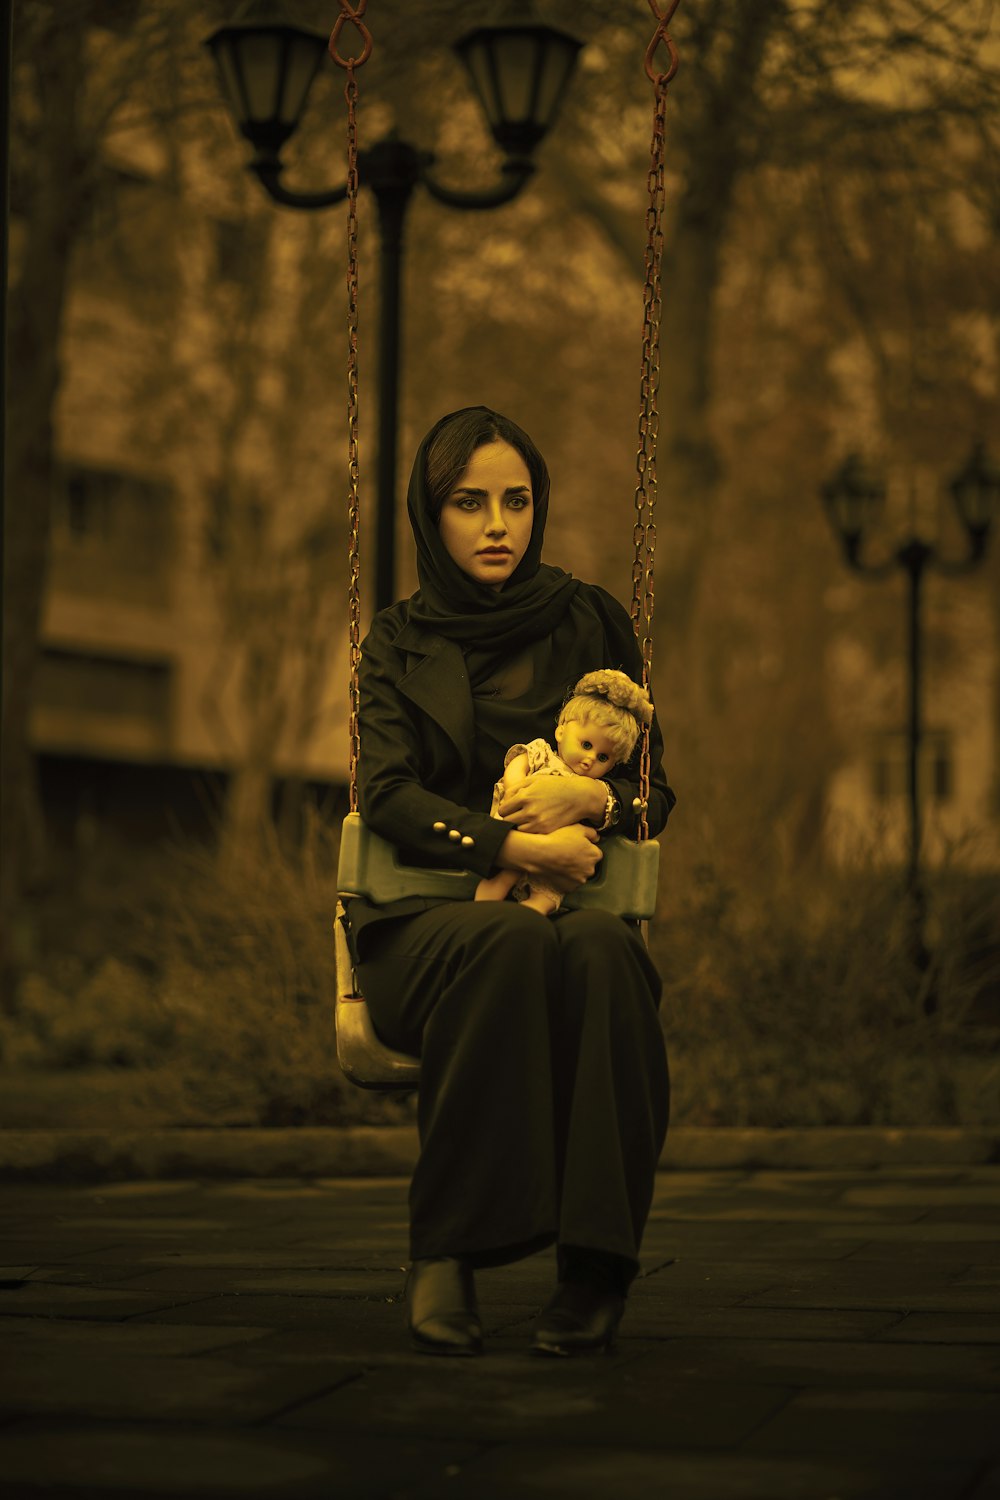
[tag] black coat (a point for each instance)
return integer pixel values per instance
(417, 738)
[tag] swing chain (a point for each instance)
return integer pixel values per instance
(661, 34)
(354, 14)
(644, 529)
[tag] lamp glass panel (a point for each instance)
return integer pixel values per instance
(557, 64)
(516, 58)
(976, 497)
(476, 56)
(302, 65)
(260, 63)
(849, 510)
(232, 86)
(853, 500)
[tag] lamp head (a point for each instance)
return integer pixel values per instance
(975, 490)
(520, 73)
(266, 68)
(853, 498)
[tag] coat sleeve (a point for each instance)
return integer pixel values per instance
(624, 653)
(391, 795)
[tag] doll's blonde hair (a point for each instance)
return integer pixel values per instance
(615, 702)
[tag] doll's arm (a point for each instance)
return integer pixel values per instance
(516, 771)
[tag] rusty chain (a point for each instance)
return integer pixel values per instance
(644, 528)
(353, 14)
(661, 34)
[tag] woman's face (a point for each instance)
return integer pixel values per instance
(486, 521)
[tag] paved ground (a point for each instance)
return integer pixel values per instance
(816, 1335)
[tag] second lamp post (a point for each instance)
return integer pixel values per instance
(853, 499)
(267, 66)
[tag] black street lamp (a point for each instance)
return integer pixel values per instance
(267, 66)
(853, 498)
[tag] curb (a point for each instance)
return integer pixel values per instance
(391, 1151)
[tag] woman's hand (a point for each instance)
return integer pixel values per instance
(542, 804)
(564, 859)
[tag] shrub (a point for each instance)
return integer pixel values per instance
(804, 1004)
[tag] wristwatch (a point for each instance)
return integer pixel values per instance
(612, 811)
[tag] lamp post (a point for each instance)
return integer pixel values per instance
(853, 498)
(267, 66)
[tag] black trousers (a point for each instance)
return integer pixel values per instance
(544, 1091)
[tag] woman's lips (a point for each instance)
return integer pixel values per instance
(493, 552)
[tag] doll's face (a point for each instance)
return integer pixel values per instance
(587, 747)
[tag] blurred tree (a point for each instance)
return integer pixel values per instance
(62, 110)
(231, 339)
(276, 529)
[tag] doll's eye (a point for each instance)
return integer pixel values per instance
(603, 758)
(586, 744)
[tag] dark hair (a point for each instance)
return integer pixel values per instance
(452, 447)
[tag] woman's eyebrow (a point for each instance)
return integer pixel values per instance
(512, 489)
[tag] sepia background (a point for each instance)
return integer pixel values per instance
(175, 739)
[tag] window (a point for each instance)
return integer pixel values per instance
(889, 766)
(116, 704)
(111, 534)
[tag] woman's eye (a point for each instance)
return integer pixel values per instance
(467, 503)
(518, 502)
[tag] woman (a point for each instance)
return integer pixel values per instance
(544, 1091)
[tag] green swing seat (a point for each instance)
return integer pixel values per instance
(625, 885)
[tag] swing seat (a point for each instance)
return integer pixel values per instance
(363, 1056)
(625, 885)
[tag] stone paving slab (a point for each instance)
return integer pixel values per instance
(190, 1339)
(35, 1299)
(887, 1421)
(543, 1471)
(137, 1386)
(988, 1487)
(543, 1401)
(371, 1283)
(945, 1328)
(55, 1337)
(136, 1462)
(303, 1153)
(826, 1363)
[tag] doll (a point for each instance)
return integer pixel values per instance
(598, 728)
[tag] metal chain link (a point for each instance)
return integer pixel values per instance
(352, 13)
(644, 528)
(663, 18)
(349, 13)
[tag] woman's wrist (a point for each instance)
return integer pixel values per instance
(612, 808)
(517, 852)
(597, 812)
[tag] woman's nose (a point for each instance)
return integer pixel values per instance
(495, 523)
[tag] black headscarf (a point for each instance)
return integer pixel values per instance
(529, 605)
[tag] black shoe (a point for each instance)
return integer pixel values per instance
(579, 1319)
(442, 1314)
